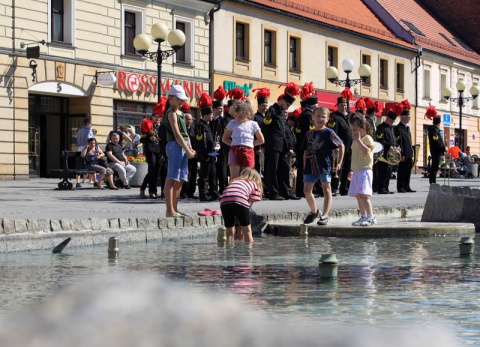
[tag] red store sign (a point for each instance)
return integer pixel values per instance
(144, 83)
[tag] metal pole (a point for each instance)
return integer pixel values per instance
(347, 80)
(159, 71)
(460, 104)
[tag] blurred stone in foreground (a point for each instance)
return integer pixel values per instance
(136, 310)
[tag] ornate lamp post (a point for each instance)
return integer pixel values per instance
(347, 65)
(160, 33)
(461, 86)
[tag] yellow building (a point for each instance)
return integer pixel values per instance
(86, 65)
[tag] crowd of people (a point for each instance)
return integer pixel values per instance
(311, 152)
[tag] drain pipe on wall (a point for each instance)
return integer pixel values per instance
(14, 61)
(211, 43)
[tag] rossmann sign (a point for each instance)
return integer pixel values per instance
(144, 83)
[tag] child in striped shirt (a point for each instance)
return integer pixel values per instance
(236, 201)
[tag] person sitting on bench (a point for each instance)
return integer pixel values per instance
(118, 162)
(92, 155)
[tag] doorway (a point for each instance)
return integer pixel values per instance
(51, 130)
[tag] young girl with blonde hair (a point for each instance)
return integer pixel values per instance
(362, 163)
(236, 201)
(242, 134)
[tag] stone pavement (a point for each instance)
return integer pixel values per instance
(35, 207)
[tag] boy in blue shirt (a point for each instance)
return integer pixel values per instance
(318, 146)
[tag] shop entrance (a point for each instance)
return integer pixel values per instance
(51, 129)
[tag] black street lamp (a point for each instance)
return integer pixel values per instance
(460, 101)
(347, 65)
(160, 33)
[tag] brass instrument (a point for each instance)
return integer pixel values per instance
(261, 161)
(394, 156)
(335, 162)
(416, 151)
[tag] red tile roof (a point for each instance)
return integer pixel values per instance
(411, 11)
(352, 15)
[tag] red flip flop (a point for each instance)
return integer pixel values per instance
(205, 212)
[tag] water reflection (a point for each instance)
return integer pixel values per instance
(381, 281)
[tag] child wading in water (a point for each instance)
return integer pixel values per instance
(237, 199)
(318, 146)
(362, 163)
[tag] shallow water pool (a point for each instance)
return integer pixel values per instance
(382, 282)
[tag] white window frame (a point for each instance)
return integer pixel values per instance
(427, 84)
(140, 20)
(69, 17)
(189, 38)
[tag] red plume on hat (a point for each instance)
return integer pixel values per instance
(360, 104)
(431, 112)
(235, 93)
(346, 93)
(398, 108)
(159, 108)
(297, 112)
(185, 107)
(372, 105)
(290, 88)
(220, 93)
(406, 104)
(204, 101)
(307, 91)
(262, 92)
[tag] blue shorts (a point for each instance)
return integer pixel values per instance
(177, 162)
(314, 177)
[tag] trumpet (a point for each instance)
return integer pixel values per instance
(335, 162)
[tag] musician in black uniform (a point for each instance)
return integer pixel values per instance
(204, 146)
(437, 147)
(278, 149)
(338, 122)
(262, 101)
(217, 126)
(188, 188)
(303, 124)
(404, 141)
(385, 136)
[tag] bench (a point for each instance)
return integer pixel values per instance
(66, 173)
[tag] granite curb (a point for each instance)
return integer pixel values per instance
(34, 234)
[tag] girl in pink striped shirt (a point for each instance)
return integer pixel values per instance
(236, 201)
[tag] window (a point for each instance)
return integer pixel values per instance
(332, 56)
(180, 54)
(185, 54)
(400, 78)
(383, 73)
(443, 84)
(241, 35)
(367, 59)
(269, 53)
(294, 54)
(133, 19)
(57, 20)
(412, 27)
(61, 21)
(426, 84)
(130, 30)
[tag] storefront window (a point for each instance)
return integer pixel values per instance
(131, 113)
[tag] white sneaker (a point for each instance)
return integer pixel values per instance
(368, 221)
(359, 222)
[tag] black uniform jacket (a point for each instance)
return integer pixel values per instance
(386, 137)
(273, 129)
(403, 139)
(437, 146)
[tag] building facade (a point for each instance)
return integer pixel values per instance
(86, 66)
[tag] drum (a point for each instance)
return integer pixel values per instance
(377, 151)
